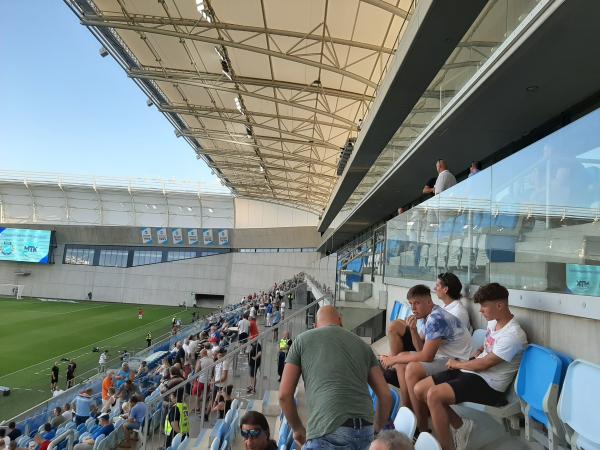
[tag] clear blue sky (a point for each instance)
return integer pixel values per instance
(63, 108)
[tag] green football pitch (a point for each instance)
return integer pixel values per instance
(34, 334)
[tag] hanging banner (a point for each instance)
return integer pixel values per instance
(177, 235)
(207, 236)
(161, 234)
(146, 236)
(223, 237)
(192, 236)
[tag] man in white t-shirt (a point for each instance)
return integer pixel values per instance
(445, 179)
(484, 379)
(448, 288)
(444, 338)
(243, 329)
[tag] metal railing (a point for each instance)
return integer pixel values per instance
(236, 359)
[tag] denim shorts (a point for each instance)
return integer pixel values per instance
(344, 438)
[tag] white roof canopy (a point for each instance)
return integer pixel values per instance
(266, 91)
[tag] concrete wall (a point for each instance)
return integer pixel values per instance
(323, 270)
(258, 214)
(232, 275)
(575, 336)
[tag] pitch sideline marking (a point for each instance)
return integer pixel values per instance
(80, 348)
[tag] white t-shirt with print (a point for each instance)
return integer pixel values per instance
(204, 363)
(457, 309)
(219, 369)
(508, 344)
(243, 326)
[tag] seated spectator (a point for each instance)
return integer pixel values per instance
(445, 338)
(112, 402)
(255, 432)
(106, 427)
(67, 413)
(48, 433)
(123, 375)
(41, 443)
(135, 418)
(127, 390)
(391, 440)
(142, 370)
(448, 289)
(57, 417)
(223, 401)
(481, 380)
(13, 431)
(83, 404)
(4, 439)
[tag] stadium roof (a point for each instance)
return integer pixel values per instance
(265, 91)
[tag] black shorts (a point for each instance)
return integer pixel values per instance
(243, 337)
(391, 377)
(407, 341)
(253, 369)
(470, 387)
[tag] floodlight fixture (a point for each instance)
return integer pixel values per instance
(238, 104)
(149, 103)
(103, 52)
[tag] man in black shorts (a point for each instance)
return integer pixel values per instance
(483, 379)
(71, 373)
(54, 377)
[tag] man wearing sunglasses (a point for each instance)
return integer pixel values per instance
(336, 366)
(255, 432)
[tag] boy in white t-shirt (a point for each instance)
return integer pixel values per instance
(481, 380)
(448, 288)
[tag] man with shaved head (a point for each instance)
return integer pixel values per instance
(336, 366)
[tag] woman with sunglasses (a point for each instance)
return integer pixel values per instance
(255, 432)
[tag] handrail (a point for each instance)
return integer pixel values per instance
(70, 435)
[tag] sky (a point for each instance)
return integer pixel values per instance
(65, 109)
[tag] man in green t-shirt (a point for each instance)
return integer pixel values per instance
(336, 366)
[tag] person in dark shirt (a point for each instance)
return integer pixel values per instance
(54, 377)
(13, 431)
(71, 373)
(254, 364)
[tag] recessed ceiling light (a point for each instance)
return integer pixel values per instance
(210, 210)
(532, 88)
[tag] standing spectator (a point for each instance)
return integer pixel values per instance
(202, 364)
(222, 369)
(429, 185)
(48, 434)
(255, 432)
(474, 168)
(83, 406)
(284, 345)
(54, 377)
(253, 328)
(4, 439)
(140, 313)
(102, 361)
(243, 329)
(123, 375)
(177, 420)
(106, 427)
(148, 339)
(336, 366)
(282, 307)
(57, 417)
(71, 373)
(13, 431)
(180, 354)
(142, 370)
(268, 314)
(254, 356)
(290, 299)
(445, 179)
(135, 418)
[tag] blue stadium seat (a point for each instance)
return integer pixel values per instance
(395, 310)
(478, 338)
(578, 405)
(176, 441)
(537, 386)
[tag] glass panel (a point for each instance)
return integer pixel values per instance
(531, 221)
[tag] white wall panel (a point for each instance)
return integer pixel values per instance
(257, 214)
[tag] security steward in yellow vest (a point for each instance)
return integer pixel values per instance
(284, 345)
(177, 420)
(148, 339)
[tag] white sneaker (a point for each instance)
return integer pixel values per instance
(461, 435)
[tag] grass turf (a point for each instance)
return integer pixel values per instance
(34, 334)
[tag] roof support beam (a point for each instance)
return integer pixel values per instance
(216, 152)
(215, 113)
(233, 166)
(203, 26)
(388, 7)
(250, 176)
(217, 41)
(187, 75)
(267, 98)
(304, 140)
(257, 188)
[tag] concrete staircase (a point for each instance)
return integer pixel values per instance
(360, 292)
